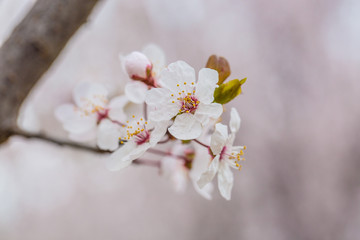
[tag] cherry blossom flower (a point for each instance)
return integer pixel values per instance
(143, 67)
(186, 163)
(136, 138)
(91, 108)
(226, 156)
(180, 96)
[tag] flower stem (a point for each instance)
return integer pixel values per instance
(159, 152)
(147, 162)
(202, 144)
(145, 111)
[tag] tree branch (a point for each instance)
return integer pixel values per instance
(31, 49)
(58, 141)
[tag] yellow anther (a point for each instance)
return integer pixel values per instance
(138, 123)
(172, 95)
(141, 119)
(177, 85)
(244, 147)
(187, 111)
(145, 122)
(189, 94)
(121, 142)
(173, 101)
(127, 121)
(184, 83)
(179, 93)
(183, 91)
(133, 116)
(192, 83)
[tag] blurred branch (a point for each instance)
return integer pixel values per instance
(57, 141)
(32, 48)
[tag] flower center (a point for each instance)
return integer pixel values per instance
(189, 104)
(186, 98)
(137, 132)
(234, 157)
(102, 114)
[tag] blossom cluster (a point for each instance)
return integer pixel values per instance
(167, 111)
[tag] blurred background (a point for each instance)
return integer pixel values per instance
(300, 121)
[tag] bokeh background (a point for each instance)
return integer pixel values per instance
(300, 120)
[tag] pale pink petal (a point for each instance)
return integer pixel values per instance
(158, 132)
(218, 139)
(158, 96)
(206, 191)
(136, 91)
(163, 113)
(87, 94)
(108, 135)
(225, 181)
(204, 111)
(139, 151)
(176, 74)
(210, 173)
(136, 64)
(185, 127)
(234, 120)
(74, 121)
(116, 108)
(157, 57)
(206, 85)
(121, 157)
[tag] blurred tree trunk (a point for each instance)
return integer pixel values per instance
(32, 48)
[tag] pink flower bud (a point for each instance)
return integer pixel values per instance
(137, 65)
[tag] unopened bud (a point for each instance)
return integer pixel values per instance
(137, 65)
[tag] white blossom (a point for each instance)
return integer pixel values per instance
(185, 163)
(143, 67)
(226, 156)
(136, 138)
(91, 108)
(180, 96)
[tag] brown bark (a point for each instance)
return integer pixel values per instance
(31, 49)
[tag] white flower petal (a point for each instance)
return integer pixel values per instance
(158, 96)
(186, 127)
(136, 91)
(225, 181)
(158, 132)
(87, 94)
(234, 120)
(177, 73)
(116, 108)
(73, 120)
(210, 173)
(65, 112)
(206, 85)
(121, 157)
(205, 191)
(218, 139)
(157, 57)
(139, 151)
(108, 135)
(204, 111)
(135, 64)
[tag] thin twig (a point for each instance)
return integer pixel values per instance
(147, 162)
(202, 144)
(58, 141)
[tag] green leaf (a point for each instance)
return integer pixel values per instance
(221, 65)
(228, 91)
